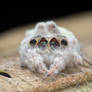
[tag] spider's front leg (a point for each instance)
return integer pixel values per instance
(58, 65)
(33, 61)
(36, 64)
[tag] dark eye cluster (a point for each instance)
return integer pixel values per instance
(54, 43)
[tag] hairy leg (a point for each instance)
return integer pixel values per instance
(78, 59)
(34, 62)
(57, 66)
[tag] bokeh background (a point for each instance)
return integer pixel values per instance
(16, 17)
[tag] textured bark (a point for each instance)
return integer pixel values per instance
(65, 82)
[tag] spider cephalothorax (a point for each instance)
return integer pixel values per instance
(48, 49)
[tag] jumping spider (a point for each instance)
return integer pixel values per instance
(49, 49)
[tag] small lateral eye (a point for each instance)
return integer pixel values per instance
(64, 42)
(33, 42)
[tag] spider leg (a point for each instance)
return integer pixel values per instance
(86, 59)
(57, 66)
(78, 59)
(36, 64)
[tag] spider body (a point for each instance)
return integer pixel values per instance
(49, 49)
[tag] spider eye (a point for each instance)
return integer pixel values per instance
(33, 42)
(54, 43)
(64, 42)
(43, 42)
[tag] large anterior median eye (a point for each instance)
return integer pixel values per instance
(64, 42)
(54, 43)
(33, 42)
(42, 43)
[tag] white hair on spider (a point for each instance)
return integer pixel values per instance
(49, 49)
